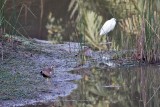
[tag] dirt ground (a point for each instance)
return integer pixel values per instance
(20, 79)
(22, 61)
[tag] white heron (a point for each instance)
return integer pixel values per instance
(108, 26)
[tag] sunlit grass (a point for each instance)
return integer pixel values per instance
(88, 27)
(144, 28)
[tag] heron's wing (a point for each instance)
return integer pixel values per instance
(113, 25)
(106, 28)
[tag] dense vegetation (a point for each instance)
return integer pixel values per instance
(137, 28)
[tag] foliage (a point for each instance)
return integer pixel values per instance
(88, 27)
(144, 27)
(13, 11)
(55, 29)
(105, 8)
(2, 4)
(88, 23)
(151, 31)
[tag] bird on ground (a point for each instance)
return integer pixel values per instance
(108, 26)
(47, 72)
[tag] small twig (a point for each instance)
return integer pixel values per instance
(153, 95)
(13, 28)
(152, 28)
(105, 43)
(1, 44)
(2, 53)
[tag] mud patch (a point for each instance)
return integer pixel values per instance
(20, 80)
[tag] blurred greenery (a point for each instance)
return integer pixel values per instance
(137, 23)
(2, 4)
(137, 28)
(91, 23)
(10, 15)
(55, 29)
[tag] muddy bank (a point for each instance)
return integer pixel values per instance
(20, 80)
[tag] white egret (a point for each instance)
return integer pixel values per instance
(108, 26)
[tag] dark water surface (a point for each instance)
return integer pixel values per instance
(32, 15)
(117, 87)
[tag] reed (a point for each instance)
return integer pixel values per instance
(143, 26)
(91, 23)
(148, 47)
(2, 5)
(139, 25)
(88, 24)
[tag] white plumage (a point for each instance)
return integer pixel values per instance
(108, 26)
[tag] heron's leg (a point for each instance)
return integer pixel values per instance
(108, 42)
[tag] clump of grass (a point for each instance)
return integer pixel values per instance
(91, 24)
(88, 24)
(144, 28)
(149, 40)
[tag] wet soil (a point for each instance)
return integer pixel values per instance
(20, 80)
(22, 61)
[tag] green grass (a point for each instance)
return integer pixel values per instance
(15, 86)
(2, 4)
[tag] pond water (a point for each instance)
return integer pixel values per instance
(115, 87)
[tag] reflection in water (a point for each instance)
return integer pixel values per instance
(120, 87)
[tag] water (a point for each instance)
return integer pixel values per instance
(29, 23)
(120, 87)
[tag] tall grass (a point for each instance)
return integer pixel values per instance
(2, 4)
(152, 31)
(88, 24)
(148, 42)
(144, 27)
(140, 20)
(91, 24)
